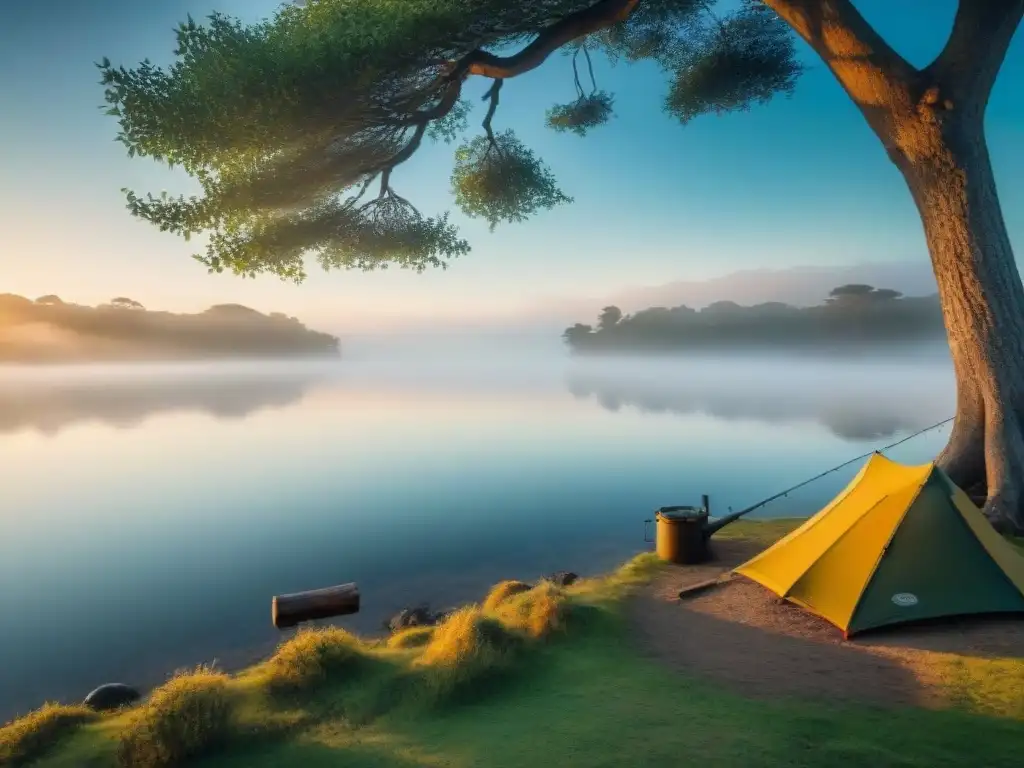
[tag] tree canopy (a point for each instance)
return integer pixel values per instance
(288, 123)
(56, 332)
(852, 315)
(123, 302)
(861, 293)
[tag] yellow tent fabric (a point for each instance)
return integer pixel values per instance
(881, 553)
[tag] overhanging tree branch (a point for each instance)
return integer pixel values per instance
(600, 15)
(594, 18)
(590, 68)
(362, 191)
(967, 67)
(576, 75)
(867, 67)
(420, 119)
(492, 95)
(449, 97)
(409, 149)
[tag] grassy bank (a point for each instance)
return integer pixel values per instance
(531, 676)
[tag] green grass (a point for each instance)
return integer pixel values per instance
(763, 531)
(534, 677)
(29, 736)
(310, 657)
(189, 715)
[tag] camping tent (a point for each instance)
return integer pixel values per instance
(900, 543)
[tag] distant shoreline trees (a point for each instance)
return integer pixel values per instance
(852, 315)
(50, 330)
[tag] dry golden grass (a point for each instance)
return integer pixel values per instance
(465, 652)
(467, 638)
(536, 612)
(615, 585)
(991, 686)
(413, 637)
(311, 656)
(187, 716)
(23, 739)
(502, 591)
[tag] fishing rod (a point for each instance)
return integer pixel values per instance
(719, 523)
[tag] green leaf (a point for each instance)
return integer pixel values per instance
(502, 180)
(580, 116)
(747, 59)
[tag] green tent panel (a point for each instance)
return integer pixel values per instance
(899, 544)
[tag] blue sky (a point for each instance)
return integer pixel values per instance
(801, 181)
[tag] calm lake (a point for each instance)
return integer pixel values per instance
(149, 513)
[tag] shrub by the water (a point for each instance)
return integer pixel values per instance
(311, 656)
(536, 612)
(413, 637)
(464, 651)
(468, 637)
(189, 715)
(24, 739)
(502, 591)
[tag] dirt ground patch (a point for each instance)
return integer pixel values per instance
(741, 635)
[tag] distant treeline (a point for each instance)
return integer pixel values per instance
(852, 315)
(51, 330)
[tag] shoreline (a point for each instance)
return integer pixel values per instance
(470, 589)
(244, 656)
(328, 697)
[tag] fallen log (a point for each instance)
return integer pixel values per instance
(289, 610)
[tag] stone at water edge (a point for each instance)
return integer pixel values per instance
(420, 616)
(411, 617)
(440, 616)
(562, 578)
(111, 696)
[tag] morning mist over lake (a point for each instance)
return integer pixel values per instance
(423, 472)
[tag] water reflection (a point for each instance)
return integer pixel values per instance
(854, 405)
(52, 401)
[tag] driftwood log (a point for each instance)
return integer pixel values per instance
(289, 610)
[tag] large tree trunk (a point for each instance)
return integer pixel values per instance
(983, 306)
(931, 122)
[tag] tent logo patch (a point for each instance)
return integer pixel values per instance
(904, 599)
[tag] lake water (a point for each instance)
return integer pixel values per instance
(149, 513)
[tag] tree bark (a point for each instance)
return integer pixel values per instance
(983, 305)
(931, 123)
